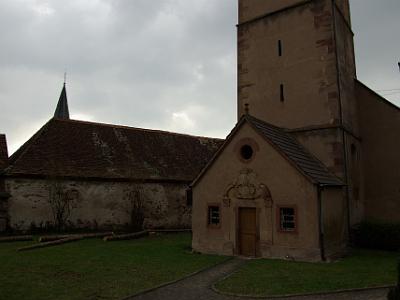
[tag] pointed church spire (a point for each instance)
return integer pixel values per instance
(62, 111)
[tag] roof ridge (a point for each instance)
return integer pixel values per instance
(134, 128)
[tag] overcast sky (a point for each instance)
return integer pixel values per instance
(163, 64)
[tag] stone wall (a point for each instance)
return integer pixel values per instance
(97, 205)
(3, 214)
(287, 68)
(326, 145)
(334, 207)
(296, 70)
(251, 9)
(380, 131)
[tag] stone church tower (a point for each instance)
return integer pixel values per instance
(314, 152)
(296, 70)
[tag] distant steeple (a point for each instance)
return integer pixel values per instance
(62, 111)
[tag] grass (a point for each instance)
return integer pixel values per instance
(93, 269)
(364, 268)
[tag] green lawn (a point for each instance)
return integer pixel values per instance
(93, 269)
(277, 277)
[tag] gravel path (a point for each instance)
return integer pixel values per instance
(198, 287)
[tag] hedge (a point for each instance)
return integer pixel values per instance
(394, 293)
(376, 235)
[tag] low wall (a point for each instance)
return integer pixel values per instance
(96, 205)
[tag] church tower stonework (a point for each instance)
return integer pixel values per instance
(296, 70)
(314, 153)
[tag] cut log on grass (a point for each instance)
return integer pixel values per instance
(129, 236)
(169, 230)
(21, 238)
(49, 238)
(97, 235)
(50, 244)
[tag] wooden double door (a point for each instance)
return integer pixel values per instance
(247, 231)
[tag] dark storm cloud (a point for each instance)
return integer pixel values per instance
(166, 64)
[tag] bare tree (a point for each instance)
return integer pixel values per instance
(61, 203)
(134, 207)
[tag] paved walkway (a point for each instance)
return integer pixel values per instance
(198, 287)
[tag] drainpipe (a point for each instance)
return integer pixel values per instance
(321, 223)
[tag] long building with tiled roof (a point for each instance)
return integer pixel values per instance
(99, 174)
(79, 149)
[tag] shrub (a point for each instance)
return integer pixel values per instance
(394, 294)
(375, 235)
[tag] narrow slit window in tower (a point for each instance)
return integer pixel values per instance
(282, 92)
(280, 48)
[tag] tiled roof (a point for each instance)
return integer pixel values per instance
(295, 152)
(93, 150)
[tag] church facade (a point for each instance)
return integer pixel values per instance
(314, 151)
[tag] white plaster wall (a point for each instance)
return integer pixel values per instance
(98, 204)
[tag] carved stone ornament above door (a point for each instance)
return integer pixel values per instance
(247, 187)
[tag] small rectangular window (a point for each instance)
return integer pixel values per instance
(280, 48)
(282, 93)
(287, 219)
(213, 215)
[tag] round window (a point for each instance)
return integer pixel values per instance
(246, 152)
